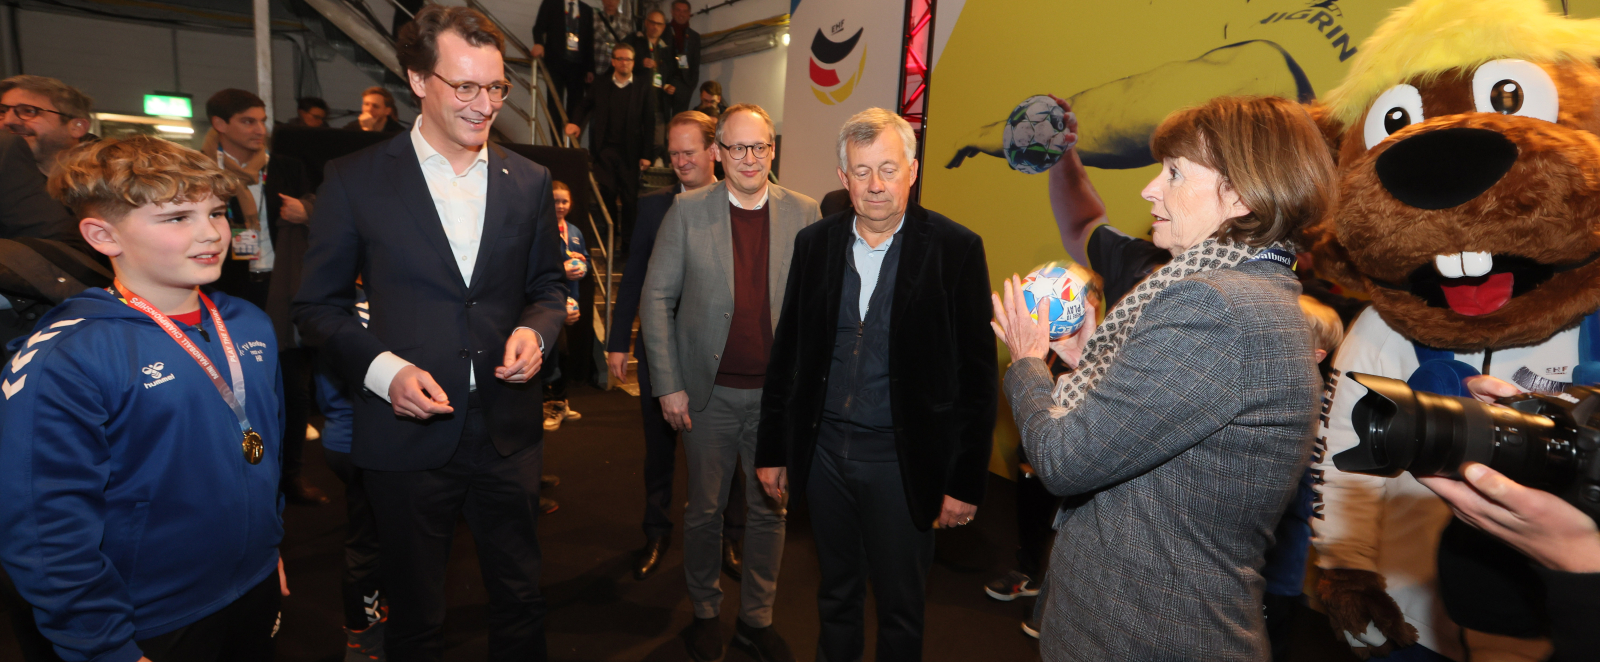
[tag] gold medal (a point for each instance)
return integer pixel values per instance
(253, 449)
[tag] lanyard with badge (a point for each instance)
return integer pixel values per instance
(572, 27)
(253, 449)
(246, 244)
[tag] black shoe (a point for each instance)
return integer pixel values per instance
(650, 557)
(704, 639)
(764, 644)
(297, 491)
(733, 558)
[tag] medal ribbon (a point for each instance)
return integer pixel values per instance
(236, 403)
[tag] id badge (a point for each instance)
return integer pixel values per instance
(683, 61)
(246, 244)
(572, 41)
(656, 80)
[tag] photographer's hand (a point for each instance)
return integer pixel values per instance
(1489, 389)
(1540, 524)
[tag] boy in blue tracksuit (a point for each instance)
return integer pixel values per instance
(138, 490)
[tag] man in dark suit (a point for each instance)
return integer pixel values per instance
(456, 243)
(692, 146)
(880, 396)
(621, 114)
(271, 208)
(563, 36)
(686, 45)
(25, 209)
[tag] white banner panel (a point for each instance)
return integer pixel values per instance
(844, 57)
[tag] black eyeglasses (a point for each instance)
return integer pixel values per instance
(738, 151)
(27, 112)
(468, 90)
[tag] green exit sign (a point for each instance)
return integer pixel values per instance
(168, 105)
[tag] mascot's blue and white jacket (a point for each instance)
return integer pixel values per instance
(128, 506)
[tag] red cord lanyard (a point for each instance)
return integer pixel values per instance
(233, 396)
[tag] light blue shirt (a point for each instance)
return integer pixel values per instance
(869, 261)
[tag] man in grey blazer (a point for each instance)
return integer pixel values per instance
(710, 301)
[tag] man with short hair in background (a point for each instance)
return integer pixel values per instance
(310, 113)
(692, 146)
(710, 300)
(658, 63)
(377, 112)
(686, 46)
(620, 112)
(51, 115)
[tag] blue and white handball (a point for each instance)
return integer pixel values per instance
(1056, 290)
(1036, 135)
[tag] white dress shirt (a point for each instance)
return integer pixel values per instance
(764, 193)
(460, 201)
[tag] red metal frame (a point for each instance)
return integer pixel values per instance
(916, 58)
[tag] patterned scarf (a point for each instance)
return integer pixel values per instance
(1073, 387)
(245, 176)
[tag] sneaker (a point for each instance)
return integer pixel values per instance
(552, 418)
(366, 645)
(312, 433)
(704, 639)
(547, 506)
(763, 644)
(1030, 629)
(571, 414)
(1012, 586)
(548, 481)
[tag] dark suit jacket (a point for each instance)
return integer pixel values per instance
(689, 79)
(942, 366)
(26, 210)
(550, 31)
(286, 175)
(637, 103)
(375, 219)
(652, 208)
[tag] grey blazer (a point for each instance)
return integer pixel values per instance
(686, 306)
(1185, 453)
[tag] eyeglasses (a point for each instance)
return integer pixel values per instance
(27, 112)
(737, 151)
(622, 59)
(468, 90)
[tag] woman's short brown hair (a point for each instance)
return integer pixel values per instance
(417, 46)
(1266, 149)
(108, 178)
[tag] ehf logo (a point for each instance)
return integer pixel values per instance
(829, 58)
(154, 372)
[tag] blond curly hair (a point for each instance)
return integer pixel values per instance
(108, 178)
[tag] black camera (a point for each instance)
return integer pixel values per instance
(1547, 442)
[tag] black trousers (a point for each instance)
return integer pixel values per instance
(864, 532)
(416, 514)
(244, 631)
(661, 461)
(33, 645)
(618, 177)
(296, 365)
(361, 586)
(570, 84)
(1036, 514)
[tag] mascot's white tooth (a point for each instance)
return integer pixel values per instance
(1476, 264)
(1449, 266)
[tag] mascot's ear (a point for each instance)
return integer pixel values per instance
(1332, 131)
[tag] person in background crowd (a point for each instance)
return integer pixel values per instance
(51, 115)
(885, 444)
(686, 46)
(620, 112)
(1287, 558)
(692, 148)
(268, 218)
(658, 62)
(117, 450)
(310, 113)
(611, 28)
(563, 36)
(1204, 370)
(576, 265)
(711, 102)
(462, 336)
(25, 209)
(377, 112)
(706, 313)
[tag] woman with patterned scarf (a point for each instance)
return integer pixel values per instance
(1188, 416)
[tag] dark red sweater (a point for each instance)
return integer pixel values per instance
(744, 358)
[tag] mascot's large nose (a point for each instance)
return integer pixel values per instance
(1444, 168)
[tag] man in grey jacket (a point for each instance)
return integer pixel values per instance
(710, 301)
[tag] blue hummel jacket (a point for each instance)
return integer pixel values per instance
(127, 506)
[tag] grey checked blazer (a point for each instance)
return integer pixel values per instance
(686, 306)
(1187, 451)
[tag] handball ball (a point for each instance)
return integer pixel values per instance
(1057, 291)
(1036, 135)
(574, 263)
(572, 305)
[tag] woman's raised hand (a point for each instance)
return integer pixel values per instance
(1023, 335)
